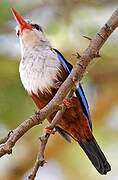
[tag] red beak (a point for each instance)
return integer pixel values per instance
(20, 21)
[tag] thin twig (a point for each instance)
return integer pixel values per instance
(86, 37)
(40, 161)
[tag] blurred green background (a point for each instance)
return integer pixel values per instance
(64, 21)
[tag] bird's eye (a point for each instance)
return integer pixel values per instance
(36, 26)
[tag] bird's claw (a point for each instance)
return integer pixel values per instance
(67, 103)
(47, 130)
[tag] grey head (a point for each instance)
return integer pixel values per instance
(29, 34)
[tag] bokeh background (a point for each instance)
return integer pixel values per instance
(64, 21)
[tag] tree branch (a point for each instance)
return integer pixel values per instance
(40, 161)
(76, 75)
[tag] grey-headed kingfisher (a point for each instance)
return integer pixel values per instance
(42, 70)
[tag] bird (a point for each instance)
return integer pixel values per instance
(42, 71)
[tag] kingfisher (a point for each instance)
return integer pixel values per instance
(42, 71)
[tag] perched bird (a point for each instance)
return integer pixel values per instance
(42, 70)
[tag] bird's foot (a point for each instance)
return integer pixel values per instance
(68, 103)
(47, 130)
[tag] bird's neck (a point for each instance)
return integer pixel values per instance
(27, 48)
(30, 40)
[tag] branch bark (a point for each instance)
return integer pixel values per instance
(76, 75)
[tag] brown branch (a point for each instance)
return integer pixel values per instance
(17, 133)
(95, 44)
(40, 161)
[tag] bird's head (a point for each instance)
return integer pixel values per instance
(28, 33)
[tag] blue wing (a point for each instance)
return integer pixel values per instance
(79, 91)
